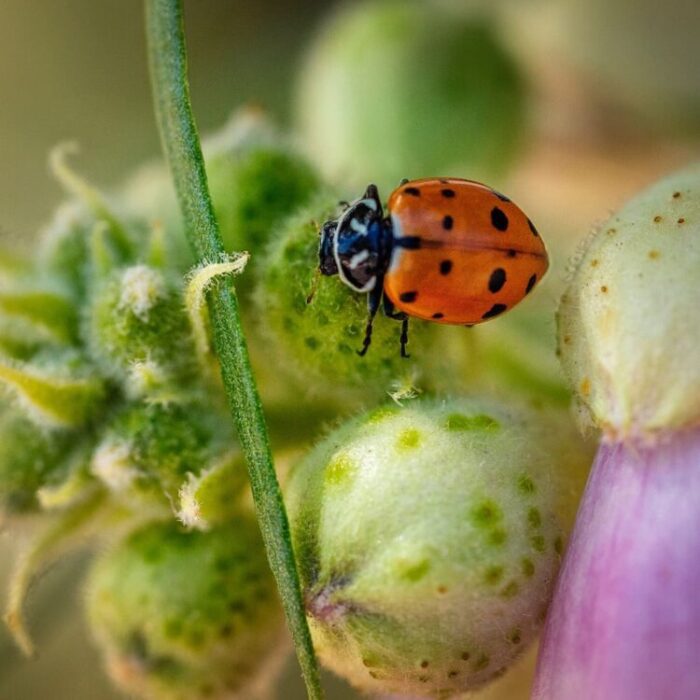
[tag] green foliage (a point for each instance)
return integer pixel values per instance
(185, 615)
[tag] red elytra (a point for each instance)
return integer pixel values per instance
(479, 254)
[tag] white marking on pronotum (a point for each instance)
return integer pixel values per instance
(371, 203)
(358, 258)
(356, 226)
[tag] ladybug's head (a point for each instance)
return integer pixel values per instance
(326, 260)
(351, 246)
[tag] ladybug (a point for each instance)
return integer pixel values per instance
(448, 250)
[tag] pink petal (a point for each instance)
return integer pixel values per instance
(625, 620)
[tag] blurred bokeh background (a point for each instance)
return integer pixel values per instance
(610, 98)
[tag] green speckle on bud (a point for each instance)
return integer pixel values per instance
(138, 315)
(320, 339)
(186, 615)
(426, 538)
(628, 339)
(398, 88)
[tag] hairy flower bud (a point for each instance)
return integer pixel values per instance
(136, 316)
(186, 615)
(153, 450)
(428, 540)
(31, 457)
(627, 339)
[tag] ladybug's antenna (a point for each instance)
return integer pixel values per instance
(314, 285)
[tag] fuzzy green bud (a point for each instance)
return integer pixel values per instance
(255, 177)
(138, 316)
(628, 341)
(428, 540)
(186, 615)
(153, 450)
(253, 192)
(31, 458)
(319, 340)
(398, 88)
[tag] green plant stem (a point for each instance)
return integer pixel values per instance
(180, 141)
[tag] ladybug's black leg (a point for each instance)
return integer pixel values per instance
(398, 316)
(373, 300)
(389, 312)
(404, 337)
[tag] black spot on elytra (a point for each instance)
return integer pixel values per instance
(448, 223)
(502, 197)
(499, 219)
(447, 192)
(532, 228)
(495, 310)
(413, 191)
(512, 253)
(446, 267)
(438, 315)
(497, 280)
(408, 297)
(530, 284)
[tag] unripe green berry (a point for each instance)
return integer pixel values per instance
(31, 457)
(398, 88)
(137, 315)
(186, 615)
(319, 340)
(628, 339)
(428, 539)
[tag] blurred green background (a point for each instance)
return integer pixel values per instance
(607, 118)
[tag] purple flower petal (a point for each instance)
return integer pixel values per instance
(625, 620)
